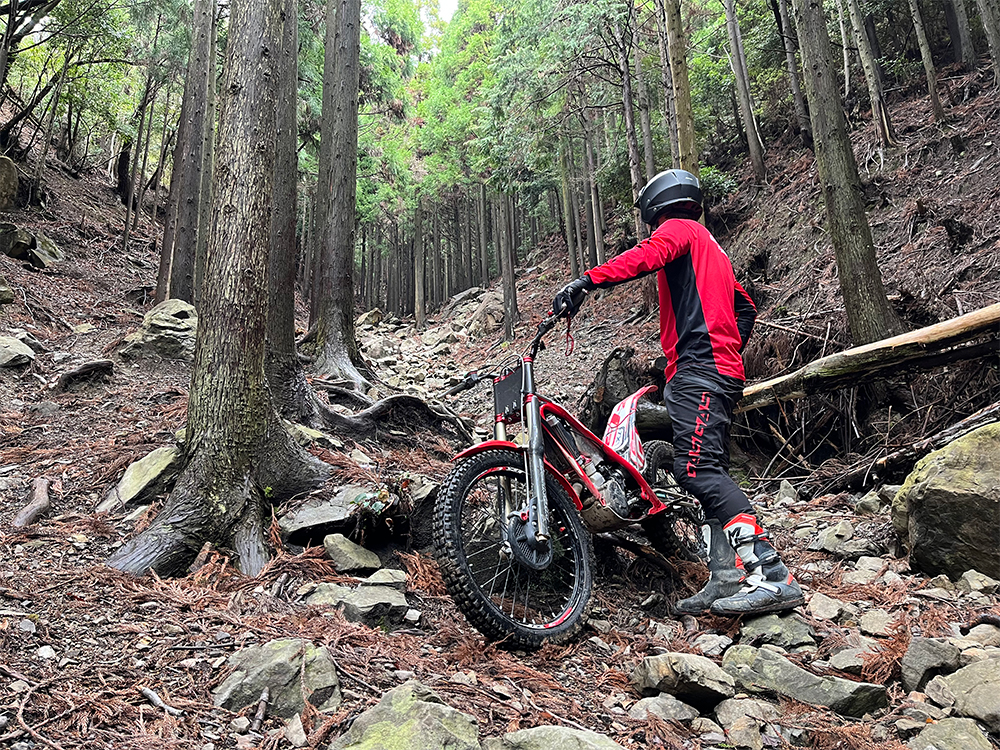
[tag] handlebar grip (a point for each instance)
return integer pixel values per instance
(455, 389)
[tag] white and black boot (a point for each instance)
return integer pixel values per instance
(726, 576)
(768, 587)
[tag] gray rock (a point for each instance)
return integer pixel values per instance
(295, 733)
(876, 622)
(831, 537)
(665, 706)
(320, 516)
(712, 644)
(9, 181)
(786, 631)
(411, 717)
(974, 691)
(144, 479)
(168, 331)
(850, 660)
(291, 668)
(983, 635)
(951, 503)
(6, 293)
(697, 678)
(349, 557)
(824, 607)
(549, 737)
(390, 577)
(14, 353)
(20, 244)
(787, 492)
(759, 670)
(376, 606)
(973, 580)
(951, 734)
(926, 658)
(371, 318)
(729, 711)
(857, 547)
(868, 505)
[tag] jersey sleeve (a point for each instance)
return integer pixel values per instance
(746, 313)
(669, 241)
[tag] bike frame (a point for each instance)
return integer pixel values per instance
(534, 409)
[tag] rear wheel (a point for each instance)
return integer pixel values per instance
(504, 599)
(674, 532)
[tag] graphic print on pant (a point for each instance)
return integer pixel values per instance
(704, 415)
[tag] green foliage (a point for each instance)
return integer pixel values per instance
(716, 184)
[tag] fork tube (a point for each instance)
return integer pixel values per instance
(538, 509)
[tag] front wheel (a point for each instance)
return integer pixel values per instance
(502, 598)
(676, 531)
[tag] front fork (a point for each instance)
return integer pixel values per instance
(538, 502)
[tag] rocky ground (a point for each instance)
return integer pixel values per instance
(881, 657)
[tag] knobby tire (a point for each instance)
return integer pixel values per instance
(675, 535)
(503, 599)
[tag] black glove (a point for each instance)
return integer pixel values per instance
(572, 296)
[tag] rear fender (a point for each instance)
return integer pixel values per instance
(489, 445)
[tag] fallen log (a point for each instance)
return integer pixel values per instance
(38, 506)
(926, 348)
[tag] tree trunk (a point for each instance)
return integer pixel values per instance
(677, 49)
(989, 14)
(869, 316)
(640, 87)
(336, 347)
(625, 68)
(484, 257)
(191, 150)
(207, 168)
(739, 65)
(666, 81)
(435, 265)
(788, 38)
(507, 268)
(237, 452)
(574, 267)
(594, 197)
(928, 60)
(846, 47)
(961, 35)
(419, 305)
(880, 112)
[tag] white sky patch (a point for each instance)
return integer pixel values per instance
(446, 9)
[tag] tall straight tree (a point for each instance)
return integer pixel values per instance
(623, 41)
(961, 34)
(677, 49)
(419, 303)
(336, 346)
(989, 15)
(880, 111)
(788, 40)
(738, 60)
(928, 60)
(238, 455)
(869, 316)
(180, 235)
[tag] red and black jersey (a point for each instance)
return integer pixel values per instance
(705, 315)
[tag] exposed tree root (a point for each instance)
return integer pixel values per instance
(218, 502)
(400, 411)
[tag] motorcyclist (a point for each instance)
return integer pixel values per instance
(705, 320)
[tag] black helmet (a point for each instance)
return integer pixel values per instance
(675, 186)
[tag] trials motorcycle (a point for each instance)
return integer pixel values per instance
(514, 518)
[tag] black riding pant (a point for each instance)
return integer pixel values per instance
(700, 405)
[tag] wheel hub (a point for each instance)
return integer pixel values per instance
(528, 551)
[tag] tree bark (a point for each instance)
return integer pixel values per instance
(928, 60)
(594, 196)
(880, 111)
(846, 47)
(238, 455)
(788, 39)
(739, 65)
(484, 257)
(989, 14)
(574, 266)
(336, 347)
(640, 87)
(419, 307)
(207, 167)
(868, 313)
(623, 41)
(677, 49)
(669, 103)
(961, 35)
(507, 267)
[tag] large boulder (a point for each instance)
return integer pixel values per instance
(951, 734)
(167, 331)
(8, 183)
(376, 606)
(20, 244)
(293, 669)
(948, 510)
(410, 717)
(761, 670)
(318, 517)
(925, 658)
